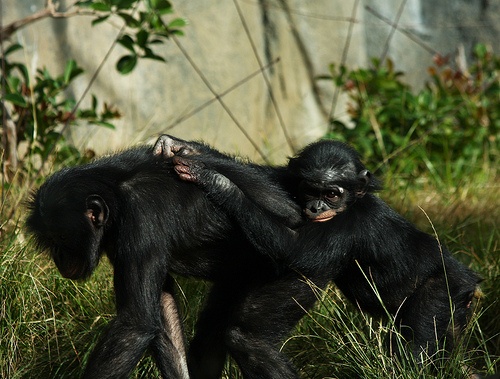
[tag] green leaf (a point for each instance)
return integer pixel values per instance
(124, 4)
(86, 114)
(142, 38)
(178, 23)
(13, 82)
(156, 41)
(150, 55)
(129, 20)
(24, 72)
(71, 71)
(480, 50)
(104, 123)
(12, 48)
(156, 22)
(16, 99)
(94, 102)
(127, 42)
(161, 6)
(126, 64)
(98, 20)
(143, 16)
(84, 3)
(101, 7)
(176, 32)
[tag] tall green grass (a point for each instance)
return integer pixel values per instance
(335, 340)
(46, 321)
(49, 325)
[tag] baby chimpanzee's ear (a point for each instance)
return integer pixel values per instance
(364, 178)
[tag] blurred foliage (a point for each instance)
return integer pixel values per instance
(39, 108)
(145, 26)
(448, 129)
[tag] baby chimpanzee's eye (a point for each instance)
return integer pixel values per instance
(334, 193)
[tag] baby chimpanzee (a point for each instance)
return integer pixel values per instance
(379, 260)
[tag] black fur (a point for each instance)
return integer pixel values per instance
(132, 207)
(360, 243)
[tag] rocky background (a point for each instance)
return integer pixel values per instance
(306, 37)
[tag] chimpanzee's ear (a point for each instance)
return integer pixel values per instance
(364, 178)
(97, 210)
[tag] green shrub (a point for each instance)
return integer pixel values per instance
(40, 108)
(449, 129)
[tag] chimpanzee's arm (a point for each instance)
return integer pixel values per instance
(263, 230)
(260, 184)
(168, 146)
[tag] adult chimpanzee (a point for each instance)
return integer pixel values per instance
(379, 260)
(133, 207)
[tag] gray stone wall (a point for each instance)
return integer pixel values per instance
(305, 35)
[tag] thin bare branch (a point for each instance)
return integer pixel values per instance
(222, 94)
(305, 57)
(336, 93)
(266, 79)
(406, 32)
(50, 11)
(218, 98)
(394, 26)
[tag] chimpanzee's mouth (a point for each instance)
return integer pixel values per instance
(322, 217)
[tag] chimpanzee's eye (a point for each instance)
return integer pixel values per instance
(334, 193)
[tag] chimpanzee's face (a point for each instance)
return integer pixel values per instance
(323, 202)
(68, 228)
(325, 198)
(331, 178)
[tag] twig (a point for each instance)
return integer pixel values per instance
(219, 99)
(77, 105)
(394, 26)
(222, 94)
(407, 33)
(344, 58)
(49, 11)
(305, 56)
(266, 79)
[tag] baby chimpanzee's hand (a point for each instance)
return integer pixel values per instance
(188, 169)
(169, 146)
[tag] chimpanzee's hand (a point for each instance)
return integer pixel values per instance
(195, 171)
(169, 146)
(188, 169)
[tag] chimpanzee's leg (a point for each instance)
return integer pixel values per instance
(207, 351)
(261, 323)
(140, 324)
(168, 348)
(122, 346)
(436, 314)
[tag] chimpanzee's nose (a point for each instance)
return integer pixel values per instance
(318, 206)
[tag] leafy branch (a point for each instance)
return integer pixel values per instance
(37, 110)
(50, 11)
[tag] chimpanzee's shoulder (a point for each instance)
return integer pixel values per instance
(126, 158)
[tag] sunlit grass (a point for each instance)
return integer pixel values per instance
(49, 325)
